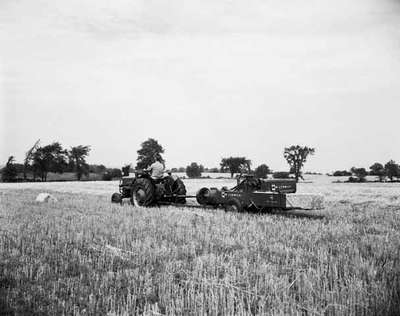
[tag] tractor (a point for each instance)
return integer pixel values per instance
(250, 194)
(143, 190)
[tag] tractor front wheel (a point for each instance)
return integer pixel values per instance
(142, 192)
(116, 198)
(234, 205)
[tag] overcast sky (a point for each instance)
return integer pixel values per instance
(206, 78)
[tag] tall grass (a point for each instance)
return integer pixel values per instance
(84, 256)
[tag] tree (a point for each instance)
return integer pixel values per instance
(360, 173)
(341, 173)
(235, 165)
(9, 173)
(50, 158)
(77, 156)
(262, 171)
(281, 175)
(99, 169)
(29, 157)
(296, 156)
(377, 169)
(146, 154)
(193, 171)
(126, 169)
(392, 170)
(112, 173)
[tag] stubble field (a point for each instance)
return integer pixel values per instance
(84, 256)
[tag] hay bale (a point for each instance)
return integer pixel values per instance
(45, 198)
(305, 201)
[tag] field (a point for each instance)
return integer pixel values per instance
(84, 256)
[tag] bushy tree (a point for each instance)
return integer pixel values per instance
(146, 153)
(193, 171)
(377, 169)
(392, 170)
(77, 156)
(296, 156)
(9, 173)
(281, 175)
(341, 173)
(235, 165)
(50, 158)
(262, 171)
(360, 173)
(112, 173)
(99, 169)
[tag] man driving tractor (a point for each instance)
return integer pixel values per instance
(156, 169)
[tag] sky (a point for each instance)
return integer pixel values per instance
(206, 78)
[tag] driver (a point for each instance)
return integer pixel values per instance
(156, 169)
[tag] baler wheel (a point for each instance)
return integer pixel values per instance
(234, 205)
(142, 192)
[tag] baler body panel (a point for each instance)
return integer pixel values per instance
(257, 199)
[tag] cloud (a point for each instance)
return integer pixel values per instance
(206, 78)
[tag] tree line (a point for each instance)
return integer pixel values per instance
(41, 160)
(389, 170)
(296, 156)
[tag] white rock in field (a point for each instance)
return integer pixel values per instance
(305, 201)
(45, 198)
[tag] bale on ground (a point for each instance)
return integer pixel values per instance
(45, 198)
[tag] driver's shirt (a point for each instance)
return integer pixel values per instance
(157, 170)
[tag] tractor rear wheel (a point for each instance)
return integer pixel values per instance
(142, 192)
(234, 205)
(180, 189)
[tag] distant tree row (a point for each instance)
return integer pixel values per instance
(390, 170)
(262, 171)
(41, 160)
(296, 156)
